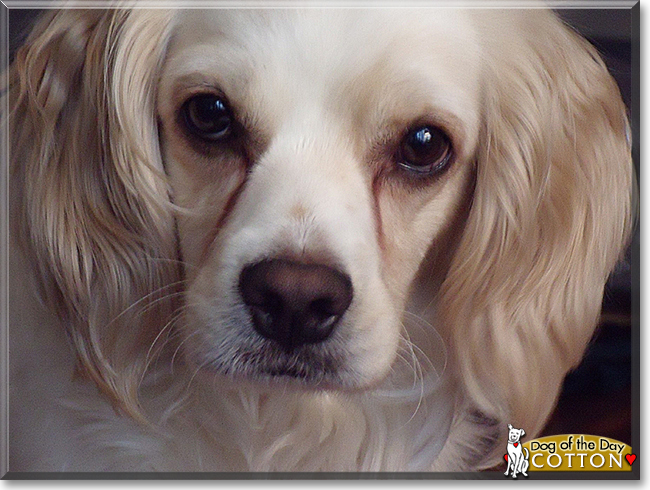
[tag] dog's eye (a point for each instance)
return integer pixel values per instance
(425, 150)
(207, 116)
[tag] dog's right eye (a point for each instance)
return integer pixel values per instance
(207, 116)
(425, 150)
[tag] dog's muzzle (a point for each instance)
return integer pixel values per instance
(294, 303)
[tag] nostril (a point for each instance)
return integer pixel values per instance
(328, 310)
(294, 303)
(263, 318)
(322, 307)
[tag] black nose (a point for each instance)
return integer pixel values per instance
(295, 303)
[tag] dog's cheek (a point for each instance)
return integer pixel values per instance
(204, 193)
(404, 242)
(374, 335)
(416, 220)
(207, 322)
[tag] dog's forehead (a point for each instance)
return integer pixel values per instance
(334, 55)
(328, 33)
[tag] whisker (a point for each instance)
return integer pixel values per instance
(146, 298)
(418, 373)
(430, 331)
(166, 329)
(188, 337)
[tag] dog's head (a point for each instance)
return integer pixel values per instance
(514, 435)
(268, 191)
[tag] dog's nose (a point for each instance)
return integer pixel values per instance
(295, 303)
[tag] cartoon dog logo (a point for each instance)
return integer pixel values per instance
(517, 457)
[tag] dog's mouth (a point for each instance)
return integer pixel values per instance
(307, 366)
(304, 375)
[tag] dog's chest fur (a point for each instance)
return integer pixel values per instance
(241, 429)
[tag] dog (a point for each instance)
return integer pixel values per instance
(517, 459)
(303, 240)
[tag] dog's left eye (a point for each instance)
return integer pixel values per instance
(425, 150)
(207, 116)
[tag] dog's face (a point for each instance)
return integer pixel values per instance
(318, 156)
(514, 435)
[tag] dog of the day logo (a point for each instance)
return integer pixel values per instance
(517, 456)
(567, 452)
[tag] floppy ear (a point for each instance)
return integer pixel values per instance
(550, 217)
(89, 192)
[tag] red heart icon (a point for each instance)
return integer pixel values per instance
(630, 458)
(505, 456)
(516, 444)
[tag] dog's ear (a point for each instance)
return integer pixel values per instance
(509, 426)
(522, 433)
(550, 217)
(88, 188)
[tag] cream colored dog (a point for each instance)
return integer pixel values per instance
(304, 240)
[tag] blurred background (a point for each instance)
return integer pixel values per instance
(597, 397)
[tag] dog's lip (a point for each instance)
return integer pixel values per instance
(286, 378)
(288, 371)
(290, 379)
(281, 368)
(283, 374)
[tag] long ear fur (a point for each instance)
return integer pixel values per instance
(550, 217)
(89, 192)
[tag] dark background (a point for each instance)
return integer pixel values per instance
(597, 396)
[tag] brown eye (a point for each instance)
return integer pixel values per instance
(207, 117)
(425, 150)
